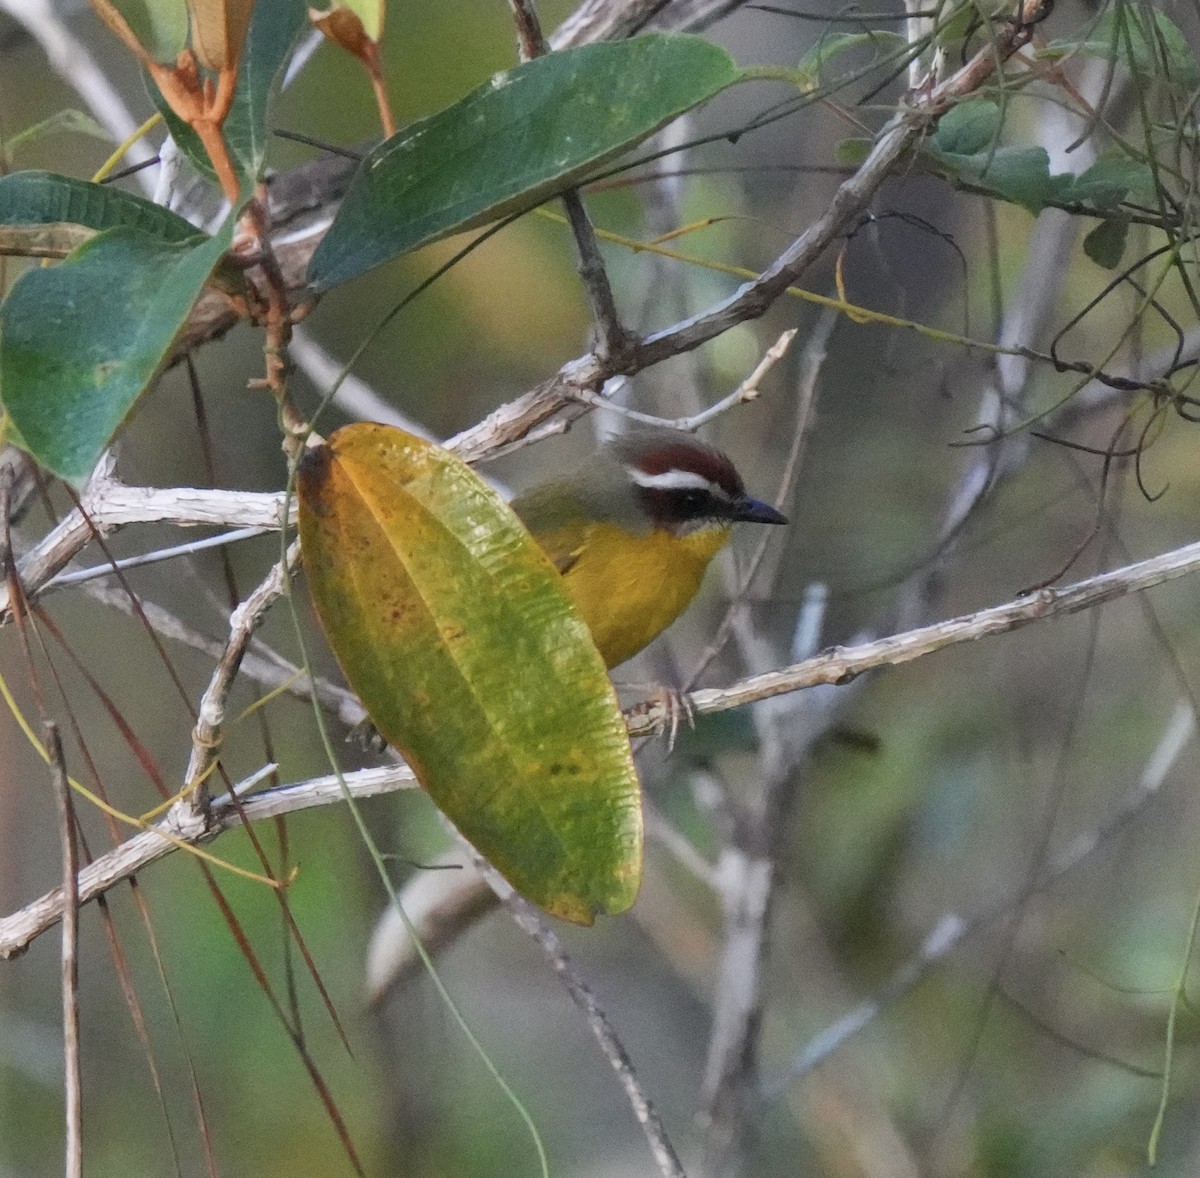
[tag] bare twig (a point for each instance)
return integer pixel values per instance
(180, 828)
(746, 391)
(609, 20)
(108, 504)
(529, 920)
(73, 1089)
(749, 871)
(611, 337)
(841, 665)
(210, 720)
(605, 20)
(157, 556)
(261, 664)
(837, 666)
(755, 846)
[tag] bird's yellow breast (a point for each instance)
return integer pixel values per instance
(629, 587)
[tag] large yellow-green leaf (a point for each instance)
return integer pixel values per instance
(453, 627)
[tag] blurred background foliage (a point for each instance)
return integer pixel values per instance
(942, 790)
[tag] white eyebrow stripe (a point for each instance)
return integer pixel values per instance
(675, 480)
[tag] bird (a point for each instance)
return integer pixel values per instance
(633, 529)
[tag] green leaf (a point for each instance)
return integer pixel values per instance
(1020, 175)
(1114, 176)
(966, 150)
(81, 341)
(46, 198)
(454, 628)
(274, 27)
(517, 140)
(814, 63)
(160, 25)
(1105, 245)
(955, 23)
(968, 128)
(1142, 39)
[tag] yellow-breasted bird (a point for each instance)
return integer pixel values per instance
(633, 529)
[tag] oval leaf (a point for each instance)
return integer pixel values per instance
(519, 139)
(453, 627)
(46, 198)
(81, 341)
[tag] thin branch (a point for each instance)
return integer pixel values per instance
(261, 664)
(838, 666)
(210, 721)
(73, 1088)
(181, 827)
(515, 419)
(750, 871)
(109, 504)
(611, 338)
(156, 556)
(530, 921)
(841, 665)
(746, 391)
(605, 20)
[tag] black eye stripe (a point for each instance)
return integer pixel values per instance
(681, 505)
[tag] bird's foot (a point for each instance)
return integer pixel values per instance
(675, 704)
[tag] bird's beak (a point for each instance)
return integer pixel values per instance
(754, 511)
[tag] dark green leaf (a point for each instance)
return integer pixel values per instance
(46, 198)
(968, 128)
(274, 28)
(1017, 174)
(454, 628)
(1111, 179)
(966, 149)
(519, 139)
(1105, 245)
(81, 341)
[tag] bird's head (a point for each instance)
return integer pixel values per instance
(681, 485)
